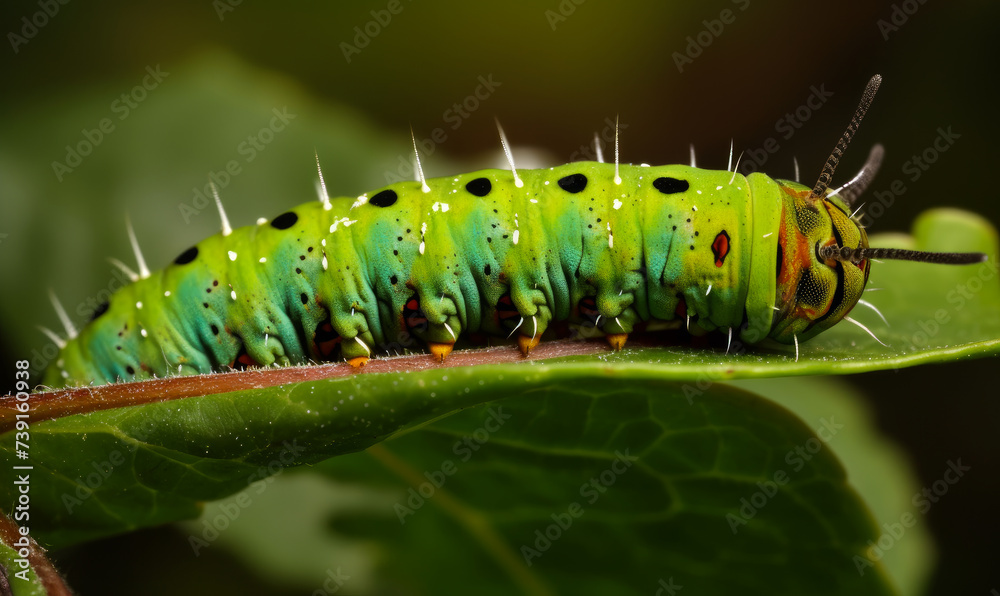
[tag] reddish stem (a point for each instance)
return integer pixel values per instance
(66, 402)
(46, 572)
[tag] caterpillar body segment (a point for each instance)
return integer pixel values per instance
(370, 273)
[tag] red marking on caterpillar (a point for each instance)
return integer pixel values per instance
(720, 248)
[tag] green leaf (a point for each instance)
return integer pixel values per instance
(677, 515)
(350, 519)
(467, 499)
(877, 468)
(696, 459)
(116, 470)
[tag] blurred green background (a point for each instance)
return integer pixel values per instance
(559, 72)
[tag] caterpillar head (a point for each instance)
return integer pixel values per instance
(824, 257)
(815, 289)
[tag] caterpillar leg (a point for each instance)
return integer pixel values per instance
(356, 351)
(261, 353)
(505, 320)
(534, 317)
(527, 343)
(617, 328)
(617, 340)
(440, 350)
(439, 337)
(351, 328)
(532, 327)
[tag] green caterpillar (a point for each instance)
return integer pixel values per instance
(497, 252)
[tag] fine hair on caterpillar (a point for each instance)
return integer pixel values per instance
(503, 253)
